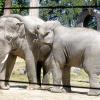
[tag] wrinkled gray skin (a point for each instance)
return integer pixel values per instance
(16, 42)
(37, 48)
(72, 47)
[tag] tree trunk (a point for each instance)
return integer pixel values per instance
(34, 12)
(8, 4)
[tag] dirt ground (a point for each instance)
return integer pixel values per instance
(18, 93)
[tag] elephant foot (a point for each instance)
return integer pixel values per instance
(68, 89)
(4, 87)
(57, 89)
(33, 87)
(94, 92)
(45, 87)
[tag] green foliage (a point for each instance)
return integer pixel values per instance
(20, 3)
(66, 16)
(1, 7)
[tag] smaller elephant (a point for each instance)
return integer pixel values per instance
(13, 41)
(72, 47)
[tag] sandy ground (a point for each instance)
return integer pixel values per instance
(16, 93)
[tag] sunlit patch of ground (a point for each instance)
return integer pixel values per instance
(78, 78)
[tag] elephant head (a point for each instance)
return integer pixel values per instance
(46, 31)
(11, 30)
(14, 29)
(30, 25)
(29, 22)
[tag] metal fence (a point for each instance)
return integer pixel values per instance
(50, 18)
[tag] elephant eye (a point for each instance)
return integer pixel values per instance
(46, 34)
(38, 27)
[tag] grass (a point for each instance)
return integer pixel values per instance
(16, 74)
(79, 79)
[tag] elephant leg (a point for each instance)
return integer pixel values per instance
(91, 65)
(46, 77)
(6, 73)
(57, 77)
(3, 73)
(94, 83)
(66, 78)
(30, 66)
(2, 77)
(9, 67)
(38, 68)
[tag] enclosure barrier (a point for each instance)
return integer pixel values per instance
(49, 7)
(23, 82)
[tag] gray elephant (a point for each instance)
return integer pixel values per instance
(37, 48)
(15, 41)
(72, 47)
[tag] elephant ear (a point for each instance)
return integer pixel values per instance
(52, 24)
(13, 31)
(21, 30)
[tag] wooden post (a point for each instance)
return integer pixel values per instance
(34, 12)
(8, 3)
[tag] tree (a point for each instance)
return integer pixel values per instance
(26, 3)
(34, 12)
(8, 3)
(21, 3)
(1, 6)
(67, 16)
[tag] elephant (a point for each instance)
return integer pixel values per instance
(71, 47)
(37, 47)
(15, 41)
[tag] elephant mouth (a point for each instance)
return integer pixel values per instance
(41, 43)
(49, 44)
